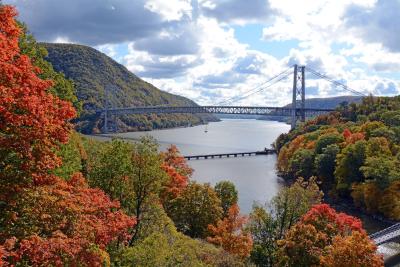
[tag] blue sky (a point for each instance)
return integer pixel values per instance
(211, 50)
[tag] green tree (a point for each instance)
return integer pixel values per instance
(130, 173)
(382, 170)
(196, 207)
(325, 163)
(110, 168)
(349, 162)
(301, 163)
(262, 227)
(73, 155)
(147, 177)
(326, 140)
(227, 193)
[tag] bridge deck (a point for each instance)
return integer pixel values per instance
(227, 155)
(245, 110)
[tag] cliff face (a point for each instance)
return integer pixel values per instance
(97, 77)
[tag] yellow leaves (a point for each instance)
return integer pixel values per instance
(353, 250)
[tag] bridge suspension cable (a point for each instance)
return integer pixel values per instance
(259, 87)
(263, 88)
(345, 87)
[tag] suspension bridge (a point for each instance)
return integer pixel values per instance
(296, 111)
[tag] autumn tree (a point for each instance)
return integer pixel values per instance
(228, 195)
(269, 224)
(229, 233)
(33, 122)
(322, 231)
(196, 208)
(178, 172)
(64, 222)
(45, 219)
(173, 158)
(352, 250)
(390, 201)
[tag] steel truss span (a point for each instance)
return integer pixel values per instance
(240, 110)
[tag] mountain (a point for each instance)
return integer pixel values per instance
(96, 75)
(321, 103)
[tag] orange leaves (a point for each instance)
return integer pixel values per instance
(71, 218)
(59, 250)
(324, 237)
(176, 183)
(3, 254)
(45, 220)
(174, 159)
(229, 234)
(353, 250)
(351, 138)
(178, 172)
(33, 122)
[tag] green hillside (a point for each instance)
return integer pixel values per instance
(95, 75)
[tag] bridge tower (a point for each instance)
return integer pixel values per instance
(299, 95)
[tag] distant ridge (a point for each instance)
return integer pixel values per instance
(319, 103)
(330, 102)
(94, 72)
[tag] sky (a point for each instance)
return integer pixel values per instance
(213, 50)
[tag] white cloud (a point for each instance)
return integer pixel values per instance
(170, 10)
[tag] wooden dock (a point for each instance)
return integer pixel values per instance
(235, 155)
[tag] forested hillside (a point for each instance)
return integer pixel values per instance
(353, 151)
(96, 76)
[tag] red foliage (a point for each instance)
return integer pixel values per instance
(46, 220)
(326, 219)
(178, 172)
(79, 221)
(351, 138)
(3, 254)
(177, 182)
(33, 122)
(229, 234)
(174, 159)
(324, 237)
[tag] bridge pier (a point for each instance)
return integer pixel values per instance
(298, 95)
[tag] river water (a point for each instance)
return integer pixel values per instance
(254, 177)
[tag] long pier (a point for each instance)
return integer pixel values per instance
(235, 155)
